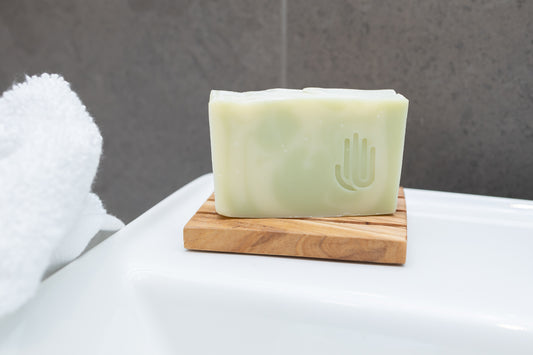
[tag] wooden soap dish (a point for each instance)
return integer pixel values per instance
(377, 239)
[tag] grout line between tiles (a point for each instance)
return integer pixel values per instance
(284, 43)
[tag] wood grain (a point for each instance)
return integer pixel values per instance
(378, 239)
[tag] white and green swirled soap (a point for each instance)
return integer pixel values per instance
(306, 153)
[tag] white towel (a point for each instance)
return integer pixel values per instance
(49, 152)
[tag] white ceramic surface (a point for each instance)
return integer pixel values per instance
(467, 288)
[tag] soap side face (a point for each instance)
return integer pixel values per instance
(307, 157)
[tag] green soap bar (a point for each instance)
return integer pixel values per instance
(306, 153)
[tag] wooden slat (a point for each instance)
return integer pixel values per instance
(379, 239)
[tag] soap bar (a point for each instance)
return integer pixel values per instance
(306, 153)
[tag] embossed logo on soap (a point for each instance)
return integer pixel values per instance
(359, 166)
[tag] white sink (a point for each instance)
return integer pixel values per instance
(467, 287)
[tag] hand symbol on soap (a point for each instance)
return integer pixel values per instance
(358, 163)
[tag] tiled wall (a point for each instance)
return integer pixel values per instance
(144, 70)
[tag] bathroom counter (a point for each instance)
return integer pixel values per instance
(466, 287)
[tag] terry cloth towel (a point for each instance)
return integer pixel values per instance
(49, 152)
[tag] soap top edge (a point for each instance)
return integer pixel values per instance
(306, 93)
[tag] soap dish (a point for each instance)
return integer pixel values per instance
(376, 239)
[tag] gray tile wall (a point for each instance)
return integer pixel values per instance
(144, 70)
